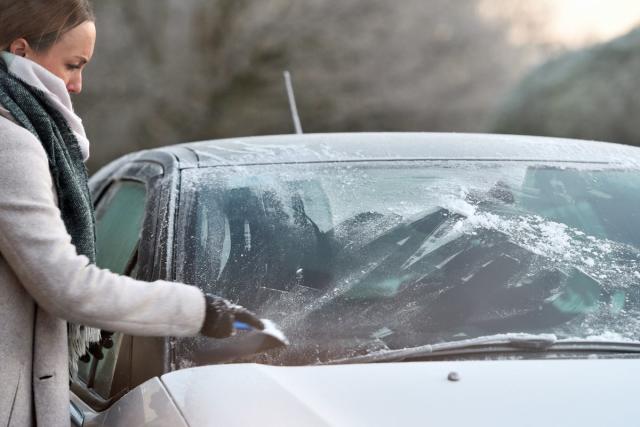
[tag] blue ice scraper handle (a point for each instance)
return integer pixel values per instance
(270, 331)
(241, 326)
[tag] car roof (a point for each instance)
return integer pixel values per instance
(350, 147)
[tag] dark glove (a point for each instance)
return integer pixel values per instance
(220, 315)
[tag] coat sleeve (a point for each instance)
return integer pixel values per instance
(37, 247)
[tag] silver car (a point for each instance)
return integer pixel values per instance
(422, 279)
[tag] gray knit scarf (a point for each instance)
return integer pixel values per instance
(33, 111)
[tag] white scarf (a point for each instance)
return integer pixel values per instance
(55, 90)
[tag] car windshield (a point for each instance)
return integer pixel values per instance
(355, 257)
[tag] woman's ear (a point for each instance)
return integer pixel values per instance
(19, 47)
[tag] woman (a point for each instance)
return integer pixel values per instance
(47, 276)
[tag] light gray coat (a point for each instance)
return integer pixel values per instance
(44, 282)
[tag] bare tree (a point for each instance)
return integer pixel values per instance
(169, 71)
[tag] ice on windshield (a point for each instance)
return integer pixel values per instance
(356, 257)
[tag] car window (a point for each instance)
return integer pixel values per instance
(118, 225)
(119, 218)
(351, 258)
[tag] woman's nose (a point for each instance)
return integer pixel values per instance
(75, 84)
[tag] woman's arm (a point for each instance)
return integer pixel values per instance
(37, 247)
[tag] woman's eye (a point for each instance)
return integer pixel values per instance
(73, 67)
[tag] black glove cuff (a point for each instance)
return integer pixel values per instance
(218, 320)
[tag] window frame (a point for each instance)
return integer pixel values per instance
(144, 262)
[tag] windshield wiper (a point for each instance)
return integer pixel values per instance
(504, 343)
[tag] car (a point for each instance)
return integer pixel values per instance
(421, 278)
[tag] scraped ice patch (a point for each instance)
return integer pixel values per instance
(612, 264)
(485, 220)
(555, 236)
(615, 265)
(458, 206)
(542, 237)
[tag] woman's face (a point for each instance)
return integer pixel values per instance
(68, 56)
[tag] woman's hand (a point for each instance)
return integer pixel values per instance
(220, 315)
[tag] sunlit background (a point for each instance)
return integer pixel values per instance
(579, 22)
(171, 71)
(565, 23)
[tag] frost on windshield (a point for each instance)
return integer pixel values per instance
(609, 270)
(355, 258)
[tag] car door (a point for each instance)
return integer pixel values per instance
(126, 225)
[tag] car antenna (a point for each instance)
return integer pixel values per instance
(292, 103)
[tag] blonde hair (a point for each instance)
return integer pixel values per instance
(41, 22)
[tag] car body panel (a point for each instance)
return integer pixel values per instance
(394, 146)
(278, 149)
(149, 404)
(496, 393)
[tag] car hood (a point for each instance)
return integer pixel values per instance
(496, 393)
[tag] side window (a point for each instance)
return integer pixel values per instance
(118, 225)
(119, 217)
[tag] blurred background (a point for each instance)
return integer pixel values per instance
(171, 71)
